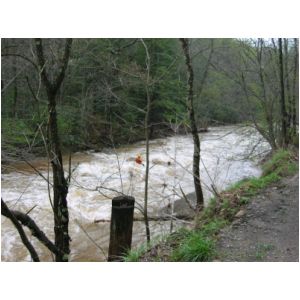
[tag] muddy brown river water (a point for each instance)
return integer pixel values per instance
(229, 154)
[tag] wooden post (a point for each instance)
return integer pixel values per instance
(120, 227)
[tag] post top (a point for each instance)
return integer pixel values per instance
(123, 201)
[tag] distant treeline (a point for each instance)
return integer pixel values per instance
(103, 99)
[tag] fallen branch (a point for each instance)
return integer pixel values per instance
(152, 218)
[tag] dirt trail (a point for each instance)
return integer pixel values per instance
(268, 227)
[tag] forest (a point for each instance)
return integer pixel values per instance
(65, 96)
(102, 100)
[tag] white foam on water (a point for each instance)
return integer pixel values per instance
(96, 179)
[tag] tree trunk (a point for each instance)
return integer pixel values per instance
(60, 184)
(267, 108)
(147, 172)
(284, 137)
(190, 107)
(147, 136)
(287, 86)
(294, 98)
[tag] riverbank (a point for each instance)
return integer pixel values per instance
(16, 146)
(255, 220)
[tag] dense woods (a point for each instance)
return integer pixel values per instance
(60, 96)
(103, 99)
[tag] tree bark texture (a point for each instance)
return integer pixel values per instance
(60, 185)
(284, 137)
(190, 107)
(287, 86)
(295, 91)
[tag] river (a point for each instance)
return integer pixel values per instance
(228, 153)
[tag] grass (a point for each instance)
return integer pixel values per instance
(253, 185)
(282, 163)
(194, 247)
(198, 245)
(134, 254)
(213, 227)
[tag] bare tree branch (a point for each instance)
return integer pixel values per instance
(5, 211)
(25, 220)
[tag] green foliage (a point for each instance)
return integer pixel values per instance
(176, 237)
(250, 187)
(104, 91)
(68, 126)
(219, 211)
(213, 227)
(16, 132)
(215, 98)
(195, 247)
(244, 200)
(105, 84)
(134, 255)
(238, 185)
(282, 163)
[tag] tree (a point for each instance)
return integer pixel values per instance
(60, 184)
(288, 99)
(284, 131)
(194, 130)
(256, 71)
(147, 131)
(295, 88)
